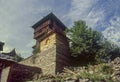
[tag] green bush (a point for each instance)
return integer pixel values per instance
(93, 77)
(106, 69)
(36, 50)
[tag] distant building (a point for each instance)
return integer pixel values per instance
(6, 64)
(11, 54)
(5, 69)
(12, 71)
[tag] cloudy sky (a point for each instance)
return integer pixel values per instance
(17, 17)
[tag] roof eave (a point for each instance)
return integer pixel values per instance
(49, 16)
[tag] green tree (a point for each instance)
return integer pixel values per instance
(36, 50)
(111, 50)
(18, 57)
(84, 40)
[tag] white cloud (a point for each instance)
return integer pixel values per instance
(17, 16)
(100, 15)
(31, 43)
(16, 19)
(112, 32)
(83, 10)
(7, 48)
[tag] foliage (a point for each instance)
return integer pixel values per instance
(109, 50)
(18, 58)
(36, 50)
(94, 73)
(106, 69)
(90, 43)
(84, 40)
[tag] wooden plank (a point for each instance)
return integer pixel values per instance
(45, 24)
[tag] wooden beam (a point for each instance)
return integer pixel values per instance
(10, 73)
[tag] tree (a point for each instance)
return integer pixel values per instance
(36, 50)
(84, 40)
(111, 50)
(18, 58)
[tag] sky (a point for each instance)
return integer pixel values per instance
(17, 17)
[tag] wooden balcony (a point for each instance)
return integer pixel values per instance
(39, 34)
(45, 24)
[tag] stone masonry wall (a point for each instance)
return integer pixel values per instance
(54, 55)
(44, 60)
(47, 42)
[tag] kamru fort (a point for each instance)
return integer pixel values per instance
(53, 56)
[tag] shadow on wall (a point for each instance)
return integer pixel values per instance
(22, 73)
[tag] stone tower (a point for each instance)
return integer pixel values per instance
(53, 44)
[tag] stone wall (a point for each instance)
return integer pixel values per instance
(45, 60)
(47, 42)
(54, 55)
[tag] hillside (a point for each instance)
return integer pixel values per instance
(104, 72)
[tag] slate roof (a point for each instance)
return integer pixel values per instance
(49, 16)
(6, 58)
(12, 53)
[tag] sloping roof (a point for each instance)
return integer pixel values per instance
(49, 16)
(12, 53)
(6, 58)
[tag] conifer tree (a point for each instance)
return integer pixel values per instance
(84, 40)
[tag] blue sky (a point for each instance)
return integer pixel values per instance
(17, 17)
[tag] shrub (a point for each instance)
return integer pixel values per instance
(36, 50)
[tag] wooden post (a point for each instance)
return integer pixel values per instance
(0, 71)
(2, 67)
(10, 72)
